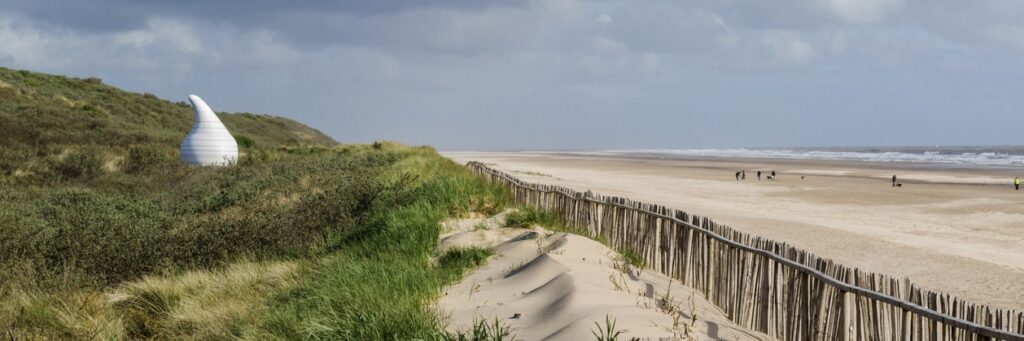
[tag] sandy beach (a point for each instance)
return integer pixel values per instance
(555, 286)
(955, 230)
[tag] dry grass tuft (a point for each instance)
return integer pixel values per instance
(202, 304)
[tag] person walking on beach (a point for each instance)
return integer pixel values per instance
(743, 175)
(773, 174)
(737, 176)
(1016, 183)
(894, 180)
(758, 175)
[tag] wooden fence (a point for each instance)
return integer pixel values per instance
(765, 285)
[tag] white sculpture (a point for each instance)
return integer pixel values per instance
(209, 143)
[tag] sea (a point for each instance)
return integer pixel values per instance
(965, 156)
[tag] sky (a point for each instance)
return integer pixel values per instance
(560, 74)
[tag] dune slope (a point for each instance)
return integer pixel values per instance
(556, 286)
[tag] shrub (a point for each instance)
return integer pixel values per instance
(365, 218)
(143, 157)
(79, 164)
(527, 216)
(244, 141)
(465, 257)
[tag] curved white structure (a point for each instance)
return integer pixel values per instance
(209, 143)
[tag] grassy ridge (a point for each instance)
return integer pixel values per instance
(103, 234)
(379, 287)
(354, 261)
(54, 126)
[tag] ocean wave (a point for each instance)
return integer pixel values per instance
(951, 156)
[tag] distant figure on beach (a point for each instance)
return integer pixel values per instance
(773, 174)
(1016, 183)
(894, 180)
(743, 175)
(758, 175)
(737, 176)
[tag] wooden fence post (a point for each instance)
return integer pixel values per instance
(796, 289)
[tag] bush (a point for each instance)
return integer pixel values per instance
(462, 258)
(107, 237)
(244, 141)
(528, 216)
(79, 164)
(191, 216)
(141, 158)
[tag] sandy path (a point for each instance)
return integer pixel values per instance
(555, 286)
(944, 229)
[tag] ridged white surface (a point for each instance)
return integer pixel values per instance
(209, 142)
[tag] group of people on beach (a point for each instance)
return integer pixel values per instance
(742, 175)
(1016, 182)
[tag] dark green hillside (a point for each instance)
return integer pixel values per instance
(42, 115)
(105, 235)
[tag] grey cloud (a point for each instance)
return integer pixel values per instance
(113, 15)
(467, 74)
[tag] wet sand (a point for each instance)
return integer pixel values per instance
(955, 230)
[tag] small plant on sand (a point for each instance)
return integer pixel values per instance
(666, 302)
(527, 216)
(634, 260)
(482, 331)
(532, 173)
(609, 332)
(643, 301)
(625, 267)
(619, 282)
(474, 289)
(512, 268)
(471, 256)
(687, 330)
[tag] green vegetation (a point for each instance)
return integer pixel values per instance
(103, 234)
(54, 127)
(609, 332)
(528, 216)
(483, 331)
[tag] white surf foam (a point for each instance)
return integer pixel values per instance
(953, 156)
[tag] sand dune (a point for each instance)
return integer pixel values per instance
(555, 286)
(945, 229)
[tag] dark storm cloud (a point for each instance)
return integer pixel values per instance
(559, 73)
(112, 15)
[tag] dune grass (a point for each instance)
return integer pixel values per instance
(380, 286)
(527, 216)
(350, 264)
(104, 235)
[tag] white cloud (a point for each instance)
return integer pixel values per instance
(26, 46)
(788, 46)
(176, 33)
(608, 46)
(865, 11)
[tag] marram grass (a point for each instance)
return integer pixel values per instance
(104, 235)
